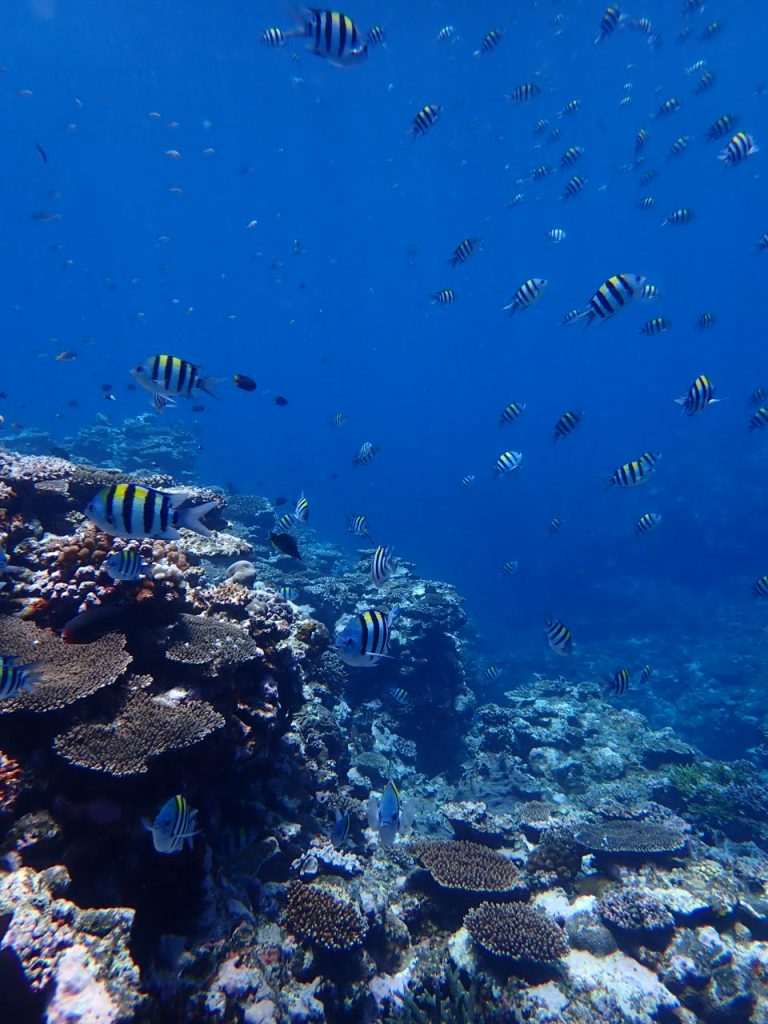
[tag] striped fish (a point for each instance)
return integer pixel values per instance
(490, 41)
(274, 37)
(559, 637)
(365, 638)
(376, 36)
(646, 203)
(646, 674)
(648, 177)
(301, 512)
(425, 119)
(491, 673)
(567, 424)
(739, 148)
(620, 682)
(571, 156)
(636, 472)
(700, 394)
(575, 185)
(129, 510)
(507, 462)
(162, 402)
(287, 592)
(358, 525)
(760, 587)
(722, 126)
(556, 235)
(524, 94)
(463, 251)
(759, 419)
(381, 564)
(338, 419)
(541, 126)
(555, 525)
(447, 34)
(611, 19)
(399, 696)
(649, 292)
(331, 35)
(668, 107)
(705, 321)
(540, 172)
(681, 216)
(509, 568)
(570, 316)
(468, 480)
(570, 108)
(512, 411)
(284, 523)
(679, 146)
(758, 396)
(125, 566)
(706, 82)
(367, 451)
(713, 29)
(658, 325)
(173, 826)
(611, 296)
(15, 677)
(647, 522)
(171, 376)
(528, 292)
(445, 297)
(641, 140)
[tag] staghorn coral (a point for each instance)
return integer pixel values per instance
(196, 640)
(70, 672)
(146, 727)
(632, 910)
(516, 932)
(469, 867)
(630, 837)
(332, 924)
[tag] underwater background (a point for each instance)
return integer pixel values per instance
(173, 183)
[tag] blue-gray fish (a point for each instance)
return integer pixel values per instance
(340, 830)
(125, 566)
(173, 826)
(132, 511)
(385, 815)
(15, 677)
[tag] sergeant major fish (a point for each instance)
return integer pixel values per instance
(171, 376)
(132, 511)
(331, 34)
(125, 566)
(15, 678)
(365, 638)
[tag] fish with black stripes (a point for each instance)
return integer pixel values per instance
(445, 297)
(722, 126)
(612, 295)
(125, 566)
(338, 419)
(400, 697)
(738, 149)
(133, 511)
(359, 526)
(331, 35)
(367, 451)
(507, 463)
(364, 640)
(16, 678)
(467, 481)
(301, 511)
(490, 41)
(612, 18)
(463, 251)
(382, 566)
(509, 568)
(684, 215)
(758, 396)
(619, 682)
(638, 471)
(705, 321)
(567, 424)
(699, 395)
(760, 587)
(273, 37)
(524, 93)
(647, 522)
(173, 377)
(376, 36)
(426, 118)
(555, 525)
(511, 413)
(657, 325)
(646, 674)
(174, 826)
(759, 419)
(559, 637)
(491, 673)
(528, 292)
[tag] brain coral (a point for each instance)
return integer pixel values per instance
(146, 727)
(471, 867)
(517, 932)
(630, 837)
(332, 924)
(69, 671)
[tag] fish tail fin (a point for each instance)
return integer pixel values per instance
(190, 518)
(680, 401)
(33, 675)
(208, 385)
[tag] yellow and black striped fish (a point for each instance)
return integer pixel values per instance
(574, 186)
(647, 522)
(125, 566)
(491, 673)
(646, 203)
(507, 462)
(636, 472)
(528, 292)
(365, 639)
(700, 394)
(646, 674)
(723, 126)
(714, 28)
(611, 296)
(570, 108)
(739, 148)
(425, 119)
(490, 41)
(511, 412)
(284, 524)
(274, 37)
(682, 216)
(445, 297)
(331, 35)
(463, 251)
(706, 82)
(559, 637)
(649, 292)
(301, 512)
(376, 36)
(679, 146)
(15, 677)
(567, 424)
(758, 396)
(668, 107)
(367, 451)
(641, 140)
(658, 325)
(759, 419)
(619, 684)
(760, 587)
(338, 419)
(171, 376)
(358, 525)
(509, 568)
(611, 19)
(571, 156)
(129, 510)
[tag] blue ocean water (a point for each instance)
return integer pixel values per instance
(325, 297)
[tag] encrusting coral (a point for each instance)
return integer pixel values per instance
(516, 932)
(632, 910)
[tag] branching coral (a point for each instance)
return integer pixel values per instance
(146, 727)
(312, 913)
(516, 932)
(466, 866)
(70, 672)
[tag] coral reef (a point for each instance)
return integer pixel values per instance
(516, 932)
(643, 838)
(631, 910)
(466, 866)
(331, 923)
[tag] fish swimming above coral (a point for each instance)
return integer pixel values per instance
(174, 826)
(133, 511)
(365, 638)
(387, 815)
